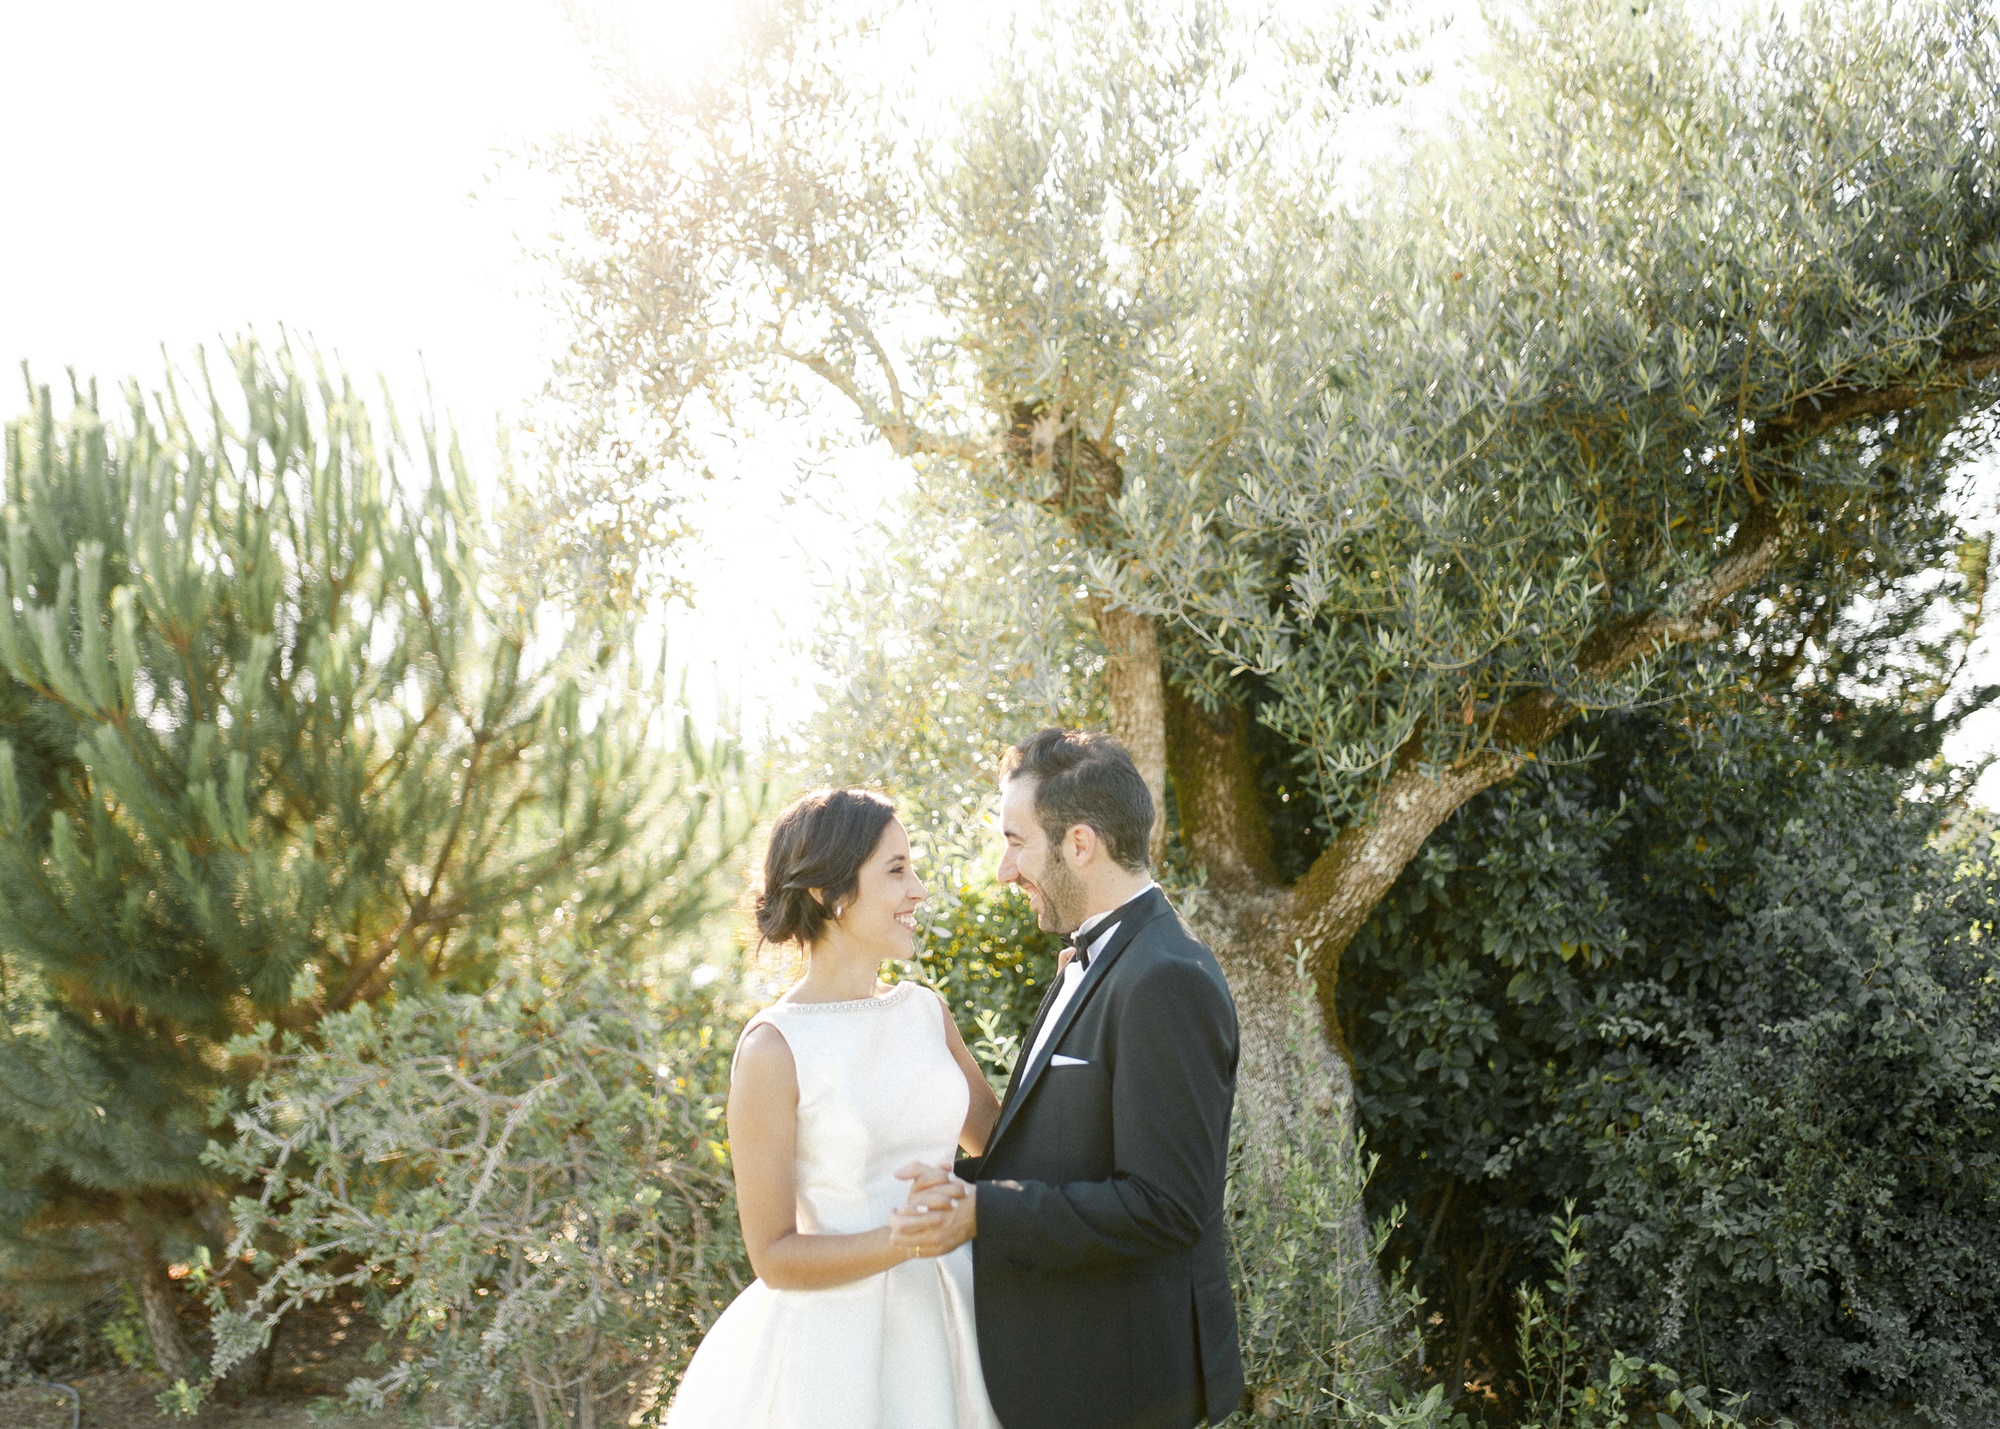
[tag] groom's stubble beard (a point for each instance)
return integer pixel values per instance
(1063, 896)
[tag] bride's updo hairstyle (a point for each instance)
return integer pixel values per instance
(819, 842)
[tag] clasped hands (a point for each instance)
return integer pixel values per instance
(940, 1215)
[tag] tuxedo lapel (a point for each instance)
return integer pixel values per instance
(1034, 1031)
(1146, 908)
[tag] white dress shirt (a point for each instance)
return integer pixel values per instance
(1073, 973)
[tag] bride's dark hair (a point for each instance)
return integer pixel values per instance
(819, 842)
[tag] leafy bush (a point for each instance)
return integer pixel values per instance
(1320, 1341)
(528, 1185)
(70, 1339)
(1812, 1207)
(983, 953)
(1568, 1386)
(262, 715)
(1734, 1001)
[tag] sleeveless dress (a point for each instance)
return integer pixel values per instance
(878, 1088)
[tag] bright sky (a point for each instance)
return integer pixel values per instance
(183, 171)
(178, 171)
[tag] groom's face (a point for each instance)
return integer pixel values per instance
(1034, 865)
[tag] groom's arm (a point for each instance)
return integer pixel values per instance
(1173, 1083)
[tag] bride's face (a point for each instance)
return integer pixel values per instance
(883, 911)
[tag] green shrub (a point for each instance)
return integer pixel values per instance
(69, 1339)
(1812, 1206)
(981, 950)
(1568, 1386)
(1321, 1343)
(528, 1185)
(125, 1334)
(262, 715)
(1730, 997)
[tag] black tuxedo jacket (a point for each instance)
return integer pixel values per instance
(1101, 1261)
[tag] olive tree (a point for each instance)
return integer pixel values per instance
(1378, 458)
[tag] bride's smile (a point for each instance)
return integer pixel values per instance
(879, 919)
(842, 1094)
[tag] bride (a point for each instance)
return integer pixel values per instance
(842, 1091)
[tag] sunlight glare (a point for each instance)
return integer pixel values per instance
(675, 40)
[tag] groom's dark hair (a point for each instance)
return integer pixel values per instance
(1086, 778)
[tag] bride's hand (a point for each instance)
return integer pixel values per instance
(933, 1224)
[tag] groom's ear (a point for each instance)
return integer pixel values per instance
(1080, 843)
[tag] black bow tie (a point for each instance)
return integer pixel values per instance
(1079, 943)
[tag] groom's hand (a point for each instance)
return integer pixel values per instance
(940, 1215)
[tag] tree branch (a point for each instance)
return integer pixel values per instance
(1348, 879)
(904, 438)
(418, 918)
(1817, 412)
(1688, 613)
(1350, 876)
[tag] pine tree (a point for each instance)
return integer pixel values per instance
(269, 747)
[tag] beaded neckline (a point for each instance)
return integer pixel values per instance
(881, 999)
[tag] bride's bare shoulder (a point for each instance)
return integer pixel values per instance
(762, 1056)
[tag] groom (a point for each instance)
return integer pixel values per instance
(1099, 1250)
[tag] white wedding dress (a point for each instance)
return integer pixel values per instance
(878, 1088)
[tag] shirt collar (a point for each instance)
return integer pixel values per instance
(1090, 924)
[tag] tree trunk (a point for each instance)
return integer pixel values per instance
(158, 1302)
(1288, 1069)
(1242, 909)
(1135, 688)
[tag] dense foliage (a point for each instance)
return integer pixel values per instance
(1738, 1001)
(528, 1185)
(981, 950)
(1563, 363)
(270, 747)
(1383, 457)
(1569, 1382)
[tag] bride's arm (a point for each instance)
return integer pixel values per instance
(984, 1108)
(763, 1142)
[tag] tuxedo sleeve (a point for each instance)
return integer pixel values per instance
(1173, 1083)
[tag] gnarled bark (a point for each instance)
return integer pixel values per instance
(1329, 905)
(1136, 692)
(157, 1304)
(1241, 910)
(1287, 1069)
(1222, 816)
